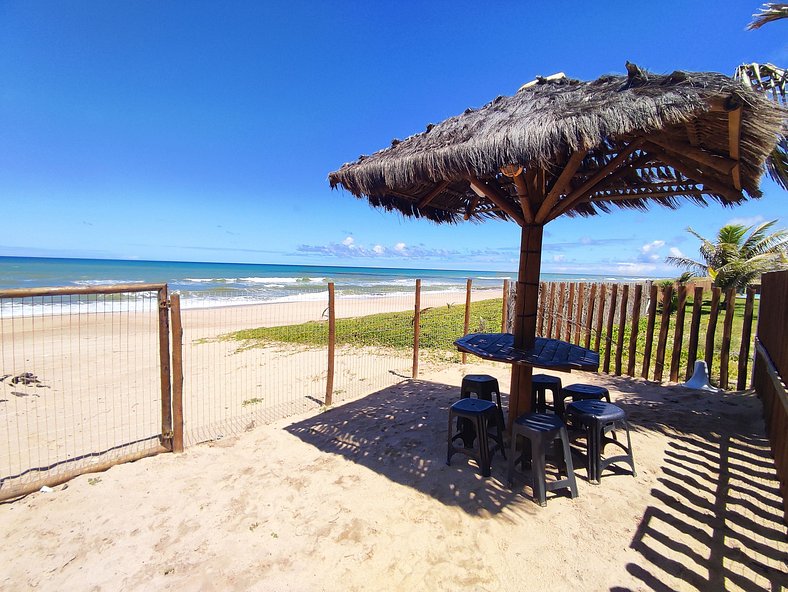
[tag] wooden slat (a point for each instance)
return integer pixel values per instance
(417, 327)
(550, 311)
(590, 315)
(164, 368)
(664, 325)
(600, 314)
(505, 307)
(499, 199)
(652, 315)
(633, 336)
(542, 308)
(678, 335)
(734, 139)
(611, 315)
(570, 312)
(712, 328)
(177, 373)
(332, 338)
(580, 306)
(559, 317)
(622, 323)
(692, 347)
(727, 327)
(560, 186)
(586, 188)
(436, 191)
(715, 161)
(746, 336)
(467, 321)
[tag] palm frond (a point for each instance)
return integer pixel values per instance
(769, 12)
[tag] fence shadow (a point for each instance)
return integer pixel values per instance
(717, 487)
(400, 432)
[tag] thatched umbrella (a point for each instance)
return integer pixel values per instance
(565, 147)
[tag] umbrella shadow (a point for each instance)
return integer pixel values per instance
(401, 432)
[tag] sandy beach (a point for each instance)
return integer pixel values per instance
(359, 497)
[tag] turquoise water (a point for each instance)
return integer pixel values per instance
(225, 284)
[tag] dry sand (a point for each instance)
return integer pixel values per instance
(359, 497)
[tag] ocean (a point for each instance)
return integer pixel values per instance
(203, 285)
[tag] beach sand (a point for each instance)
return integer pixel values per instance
(359, 497)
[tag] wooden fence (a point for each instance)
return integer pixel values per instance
(771, 369)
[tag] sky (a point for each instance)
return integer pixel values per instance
(205, 131)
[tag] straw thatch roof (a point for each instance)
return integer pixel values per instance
(623, 140)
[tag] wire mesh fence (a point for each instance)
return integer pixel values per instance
(79, 383)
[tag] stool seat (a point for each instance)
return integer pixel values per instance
(597, 418)
(540, 384)
(476, 415)
(541, 431)
(484, 387)
(580, 392)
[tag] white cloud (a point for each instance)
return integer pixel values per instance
(399, 247)
(379, 249)
(675, 252)
(559, 258)
(653, 245)
(348, 242)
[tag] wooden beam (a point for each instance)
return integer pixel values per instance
(561, 184)
(734, 143)
(471, 207)
(497, 198)
(436, 191)
(523, 194)
(719, 163)
(690, 171)
(578, 194)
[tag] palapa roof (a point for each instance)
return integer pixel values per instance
(562, 146)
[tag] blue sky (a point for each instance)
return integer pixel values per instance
(204, 131)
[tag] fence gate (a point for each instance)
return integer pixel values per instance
(84, 381)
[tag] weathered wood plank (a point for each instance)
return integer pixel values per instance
(746, 337)
(633, 336)
(692, 348)
(678, 335)
(652, 314)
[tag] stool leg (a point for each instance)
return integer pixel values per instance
(538, 471)
(570, 469)
(499, 432)
(450, 449)
(512, 457)
(594, 451)
(484, 447)
(629, 448)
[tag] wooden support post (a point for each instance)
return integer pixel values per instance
(177, 373)
(332, 337)
(611, 316)
(467, 322)
(164, 368)
(580, 306)
(712, 327)
(664, 326)
(692, 348)
(590, 315)
(678, 335)
(416, 330)
(727, 327)
(652, 313)
(505, 307)
(525, 319)
(622, 323)
(633, 335)
(746, 335)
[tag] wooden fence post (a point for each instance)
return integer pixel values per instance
(581, 292)
(600, 315)
(727, 327)
(746, 335)
(559, 317)
(652, 313)
(633, 336)
(664, 326)
(692, 348)
(590, 315)
(416, 330)
(622, 323)
(570, 313)
(467, 323)
(332, 335)
(678, 335)
(177, 373)
(550, 311)
(505, 307)
(611, 317)
(164, 368)
(712, 328)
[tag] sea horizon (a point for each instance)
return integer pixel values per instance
(216, 284)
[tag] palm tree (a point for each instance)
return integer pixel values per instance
(771, 11)
(736, 259)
